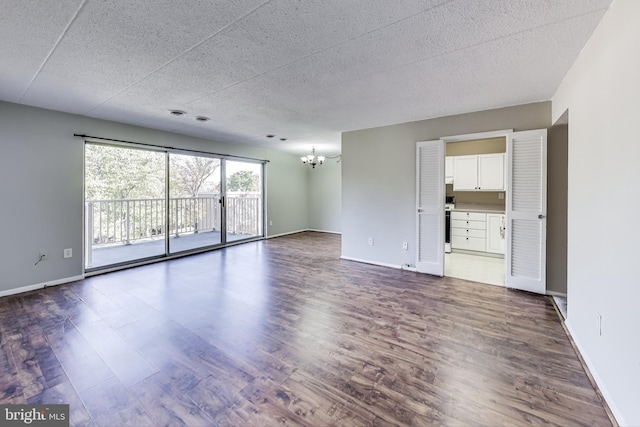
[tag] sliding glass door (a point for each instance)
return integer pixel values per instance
(124, 205)
(195, 208)
(143, 203)
(243, 200)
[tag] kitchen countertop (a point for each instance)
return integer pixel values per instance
(469, 207)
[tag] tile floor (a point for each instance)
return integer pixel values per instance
(476, 268)
(561, 303)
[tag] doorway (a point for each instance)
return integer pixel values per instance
(525, 179)
(558, 207)
(475, 188)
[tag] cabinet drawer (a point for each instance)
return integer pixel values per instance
(472, 216)
(476, 225)
(468, 232)
(468, 243)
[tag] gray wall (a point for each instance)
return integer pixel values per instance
(41, 187)
(287, 196)
(557, 165)
(379, 177)
(325, 197)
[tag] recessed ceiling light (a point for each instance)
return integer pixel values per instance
(270, 136)
(202, 119)
(177, 112)
(283, 139)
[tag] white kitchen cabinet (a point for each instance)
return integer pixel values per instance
(468, 231)
(448, 170)
(496, 233)
(482, 172)
(491, 172)
(465, 173)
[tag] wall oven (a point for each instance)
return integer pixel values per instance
(449, 205)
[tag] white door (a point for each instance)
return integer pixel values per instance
(526, 210)
(430, 207)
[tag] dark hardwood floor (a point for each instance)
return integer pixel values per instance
(283, 332)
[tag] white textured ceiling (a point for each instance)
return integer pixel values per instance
(303, 70)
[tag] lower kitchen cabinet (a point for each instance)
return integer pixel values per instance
(496, 233)
(468, 231)
(476, 231)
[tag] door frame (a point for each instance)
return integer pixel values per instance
(503, 133)
(167, 151)
(507, 134)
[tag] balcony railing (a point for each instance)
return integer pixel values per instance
(112, 222)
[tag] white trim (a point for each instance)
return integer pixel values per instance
(479, 135)
(556, 294)
(381, 264)
(287, 233)
(323, 231)
(302, 231)
(597, 378)
(37, 286)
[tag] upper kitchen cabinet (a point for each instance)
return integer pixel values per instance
(465, 173)
(448, 170)
(482, 172)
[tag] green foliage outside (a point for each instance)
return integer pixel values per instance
(244, 181)
(114, 173)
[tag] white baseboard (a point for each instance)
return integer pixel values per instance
(40, 285)
(557, 294)
(287, 233)
(381, 264)
(324, 231)
(302, 231)
(596, 377)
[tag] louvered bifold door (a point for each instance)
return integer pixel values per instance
(526, 211)
(430, 207)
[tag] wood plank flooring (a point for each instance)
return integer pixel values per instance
(283, 332)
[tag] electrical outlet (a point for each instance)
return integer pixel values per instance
(405, 246)
(270, 223)
(68, 253)
(501, 196)
(370, 241)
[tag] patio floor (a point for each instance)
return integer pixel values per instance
(116, 254)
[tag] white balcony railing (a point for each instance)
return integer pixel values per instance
(112, 222)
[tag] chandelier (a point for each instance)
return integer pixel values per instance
(312, 159)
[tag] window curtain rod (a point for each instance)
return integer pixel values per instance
(144, 144)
